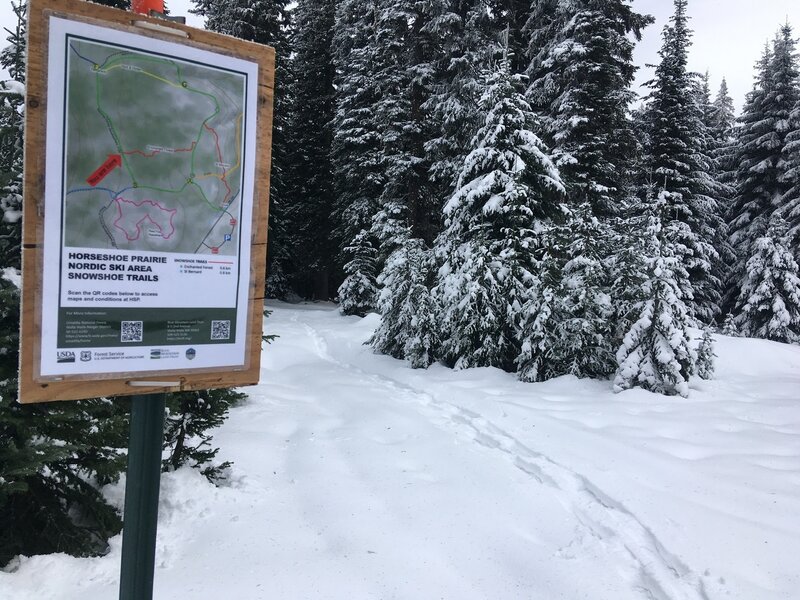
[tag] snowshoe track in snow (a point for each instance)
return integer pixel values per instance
(654, 572)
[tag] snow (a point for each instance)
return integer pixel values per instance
(356, 477)
(10, 86)
(12, 275)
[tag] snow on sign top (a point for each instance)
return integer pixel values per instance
(148, 262)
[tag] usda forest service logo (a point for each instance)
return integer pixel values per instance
(86, 355)
(65, 356)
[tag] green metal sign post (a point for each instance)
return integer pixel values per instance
(141, 497)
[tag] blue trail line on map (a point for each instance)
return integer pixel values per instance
(90, 61)
(110, 192)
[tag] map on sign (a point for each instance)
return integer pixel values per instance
(153, 152)
(149, 199)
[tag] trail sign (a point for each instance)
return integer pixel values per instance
(146, 186)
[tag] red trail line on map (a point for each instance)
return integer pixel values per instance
(219, 158)
(120, 216)
(154, 152)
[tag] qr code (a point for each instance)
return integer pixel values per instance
(131, 331)
(220, 330)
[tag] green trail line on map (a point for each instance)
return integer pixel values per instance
(122, 61)
(172, 131)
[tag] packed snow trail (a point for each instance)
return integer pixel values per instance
(604, 526)
(356, 477)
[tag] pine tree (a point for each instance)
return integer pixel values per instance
(656, 353)
(705, 355)
(790, 201)
(582, 342)
(357, 294)
(407, 328)
(790, 179)
(768, 305)
(723, 116)
(702, 85)
(12, 101)
(581, 73)
(507, 25)
(392, 79)
(422, 343)
(540, 314)
(676, 162)
(754, 186)
(711, 155)
(762, 158)
(358, 173)
(311, 197)
(722, 144)
(729, 327)
(463, 47)
(508, 191)
(186, 439)
(401, 65)
(408, 209)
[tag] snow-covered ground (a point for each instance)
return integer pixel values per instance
(356, 477)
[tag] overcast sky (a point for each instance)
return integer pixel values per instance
(729, 35)
(729, 38)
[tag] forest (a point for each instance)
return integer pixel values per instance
(482, 175)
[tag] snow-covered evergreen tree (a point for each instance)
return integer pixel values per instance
(507, 25)
(703, 97)
(358, 173)
(790, 201)
(581, 341)
(408, 319)
(357, 294)
(790, 178)
(540, 314)
(723, 116)
(722, 134)
(768, 305)
(729, 327)
(401, 75)
(12, 101)
(581, 73)
(656, 352)
(762, 160)
(462, 48)
(508, 192)
(422, 341)
(705, 355)
(677, 162)
(310, 199)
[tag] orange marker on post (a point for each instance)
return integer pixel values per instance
(143, 7)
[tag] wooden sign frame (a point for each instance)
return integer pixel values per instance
(34, 387)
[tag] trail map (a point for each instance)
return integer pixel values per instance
(149, 199)
(153, 152)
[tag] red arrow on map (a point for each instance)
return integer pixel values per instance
(112, 162)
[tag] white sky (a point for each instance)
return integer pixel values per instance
(729, 38)
(729, 35)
